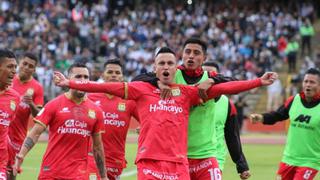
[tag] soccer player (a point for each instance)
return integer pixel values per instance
(162, 143)
(301, 157)
(117, 113)
(201, 128)
(72, 120)
(9, 100)
(227, 130)
(30, 103)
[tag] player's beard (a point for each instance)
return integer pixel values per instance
(79, 94)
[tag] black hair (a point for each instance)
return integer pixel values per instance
(194, 40)
(313, 71)
(31, 56)
(77, 65)
(212, 64)
(5, 53)
(165, 50)
(115, 61)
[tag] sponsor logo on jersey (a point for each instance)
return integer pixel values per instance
(122, 107)
(113, 119)
(72, 126)
(92, 114)
(13, 105)
(166, 105)
(303, 118)
(98, 103)
(4, 122)
(4, 118)
(65, 110)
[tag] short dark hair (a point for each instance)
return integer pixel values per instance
(115, 61)
(313, 71)
(194, 40)
(77, 65)
(165, 50)
(212, 64)
(31, 56)
(6, 53)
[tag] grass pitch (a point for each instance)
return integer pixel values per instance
(263, 161)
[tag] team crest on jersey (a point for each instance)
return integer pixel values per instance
(175, 92)
(13, 105)
(92, 114)
(30, 92)
(122, 107)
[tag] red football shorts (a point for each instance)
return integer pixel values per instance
(165, 170)
(288, 172)
(13, 149)
(204, 169)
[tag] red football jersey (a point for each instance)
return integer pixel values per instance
(9, 101)
(18, 127)
(71, 126)
(117, 115)
(164, 123)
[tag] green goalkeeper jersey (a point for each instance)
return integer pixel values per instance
(201, 129)
(303, 140)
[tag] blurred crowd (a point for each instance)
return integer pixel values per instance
(246, 40)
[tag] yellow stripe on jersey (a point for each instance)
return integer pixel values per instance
(39, 122)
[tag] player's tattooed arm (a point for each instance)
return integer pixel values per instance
(28, 143)
(31, 139)
(99, 154)
(100, 162)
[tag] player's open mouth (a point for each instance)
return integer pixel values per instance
(166, 74)
(190, 62)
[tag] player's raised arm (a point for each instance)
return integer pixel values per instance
(114, 88)
(235, 87)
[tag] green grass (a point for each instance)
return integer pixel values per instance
(263, 161)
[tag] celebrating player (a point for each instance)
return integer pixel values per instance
(117, 114)
(30, 103)
(9, 100)
(72, 120)
(301, 157)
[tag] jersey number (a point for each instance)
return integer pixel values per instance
(307, 174)
(215, 174)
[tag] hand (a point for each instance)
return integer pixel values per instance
(268, 78)
(17, 165)
(60, 80)
(165, 91)
(255, 118)
(203, 87)
(245, 175)
(27, 99)
(105, 178)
